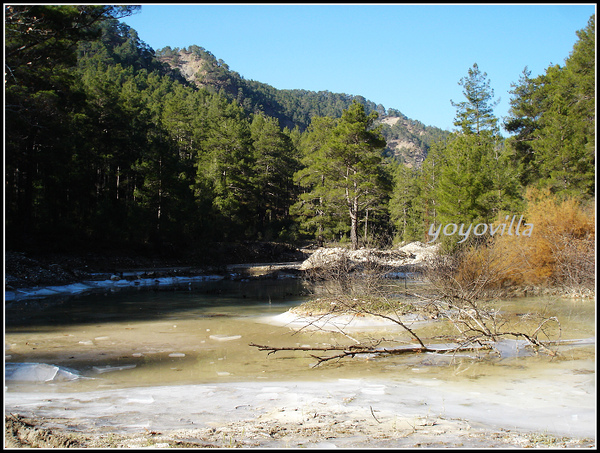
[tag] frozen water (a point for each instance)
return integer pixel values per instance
(37, 372)
(92, 285)
(555, 396)
(225, 337)
(336, 321)
(109, 369)
(514, 406)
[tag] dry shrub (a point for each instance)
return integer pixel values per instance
(345, 277)
(474, 272)
(561, 249)
(488, 263)
(559, 252)
(576, 265)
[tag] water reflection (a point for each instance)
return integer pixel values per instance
(137, 304)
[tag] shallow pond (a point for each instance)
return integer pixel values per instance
(201, 334)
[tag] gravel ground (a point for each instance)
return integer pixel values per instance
(324, 431)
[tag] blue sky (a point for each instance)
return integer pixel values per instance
(407, 57)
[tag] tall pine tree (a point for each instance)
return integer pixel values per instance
(475, 181)
(350, 166)
(553, 118)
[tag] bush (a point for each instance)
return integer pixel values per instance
(472, 272)
(561, 248)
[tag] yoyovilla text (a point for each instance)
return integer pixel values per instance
(481, 228)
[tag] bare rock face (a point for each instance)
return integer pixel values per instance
(190, 65)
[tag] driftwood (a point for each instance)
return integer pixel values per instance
(353, 350)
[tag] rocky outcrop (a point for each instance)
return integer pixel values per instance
(408, 257)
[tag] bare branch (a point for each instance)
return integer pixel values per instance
(462, 297)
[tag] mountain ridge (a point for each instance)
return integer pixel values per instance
(408, 140)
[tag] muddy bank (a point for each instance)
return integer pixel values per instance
(21, 432)
(236, 260)
(25, 270)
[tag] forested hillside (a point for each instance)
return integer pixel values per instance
(107, 146)
(407, 140)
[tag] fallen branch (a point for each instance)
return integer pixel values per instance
(373, 414)
(464, 286)
(353, 350)
(273, 349)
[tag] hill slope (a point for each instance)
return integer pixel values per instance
(407, 140)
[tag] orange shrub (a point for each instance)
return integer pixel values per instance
(561, 242)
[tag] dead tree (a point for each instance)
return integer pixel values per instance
(467, 289)
(461, 298)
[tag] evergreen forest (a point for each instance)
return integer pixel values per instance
(109, 145)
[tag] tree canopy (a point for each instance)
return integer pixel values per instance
(476, 113)
(552, 118)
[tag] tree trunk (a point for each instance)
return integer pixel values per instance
(354, 223)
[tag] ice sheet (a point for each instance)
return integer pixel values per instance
(510, 405)
(37, 372)
(337, 321)
(93, 285)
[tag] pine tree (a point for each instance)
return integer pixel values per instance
(46, 111)
(225, 169)
(553, 116)
(314, 209)
(406, 208)
(475, 114)
(566, 138)
(349, 164)
(475, 181)
(523, 122)
(274, 167)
